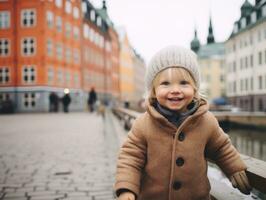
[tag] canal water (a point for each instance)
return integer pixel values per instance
(249, 142)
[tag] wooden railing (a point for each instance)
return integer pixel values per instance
(256, 170)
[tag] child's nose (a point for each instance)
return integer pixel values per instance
(175, 89)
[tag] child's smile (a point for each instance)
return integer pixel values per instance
(173, 90)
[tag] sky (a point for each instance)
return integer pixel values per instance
(154, 24)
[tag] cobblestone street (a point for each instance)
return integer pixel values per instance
(56, 156)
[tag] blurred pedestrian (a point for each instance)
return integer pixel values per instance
(92, 98)
(66, 100)
(53, 102)
(126, 104)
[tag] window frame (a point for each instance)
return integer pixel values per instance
(5, 18)
(34, 46)
(5, 74)
(4, 47)
(30, 72)
(28, 24)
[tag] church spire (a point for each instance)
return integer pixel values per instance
(195, 43)
(210, 38)
(104, 5)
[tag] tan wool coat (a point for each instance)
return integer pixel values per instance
(160, 161)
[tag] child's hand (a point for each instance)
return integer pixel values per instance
(240, 180)
(126, 196)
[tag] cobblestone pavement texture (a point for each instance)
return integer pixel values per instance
(57, 156)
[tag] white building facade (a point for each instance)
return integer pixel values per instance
(246, 59)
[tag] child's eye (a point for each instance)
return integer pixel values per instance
(165, 83)
(184, 82)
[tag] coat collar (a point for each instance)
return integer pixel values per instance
(161, 121)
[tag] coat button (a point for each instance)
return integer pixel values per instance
(176, 185)
(181, 136)
(180, 161)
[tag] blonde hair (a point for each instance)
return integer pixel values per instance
(178, 71)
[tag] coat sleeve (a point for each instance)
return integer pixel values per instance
(220, 149)
(131, 161)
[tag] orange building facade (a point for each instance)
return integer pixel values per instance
(54, 45)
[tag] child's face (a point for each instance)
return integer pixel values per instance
(173, 89)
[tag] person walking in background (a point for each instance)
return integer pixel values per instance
(66, 100)
(126, 104)
(53, 102)
(164, 156)
(92, 99)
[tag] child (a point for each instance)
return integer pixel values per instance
(164, 156)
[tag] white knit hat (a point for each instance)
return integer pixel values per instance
(172, 56)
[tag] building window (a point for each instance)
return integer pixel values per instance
(265, 82)
(243, 22)
(28, 17)
(59, 51)
(264, 11)
(68, 55)
(60, 76)
(4, 75)
(84, 7)
(68, 30)
(234, 86)
(58, 22)
(246, 62)
(86, 31)
(50, 76)
(241, 63)
(4, 19)
(234, 66)
(99, 21)
(4, 97)
(29, 74)
(260, 58)
(92, 15)
(251, 60)
(76, 56)
(58, 3)
(235, 28)
(76, 32)
(28, 46)
(76, 80)
(260, 82)
(29, 100)
(253, 17)
(260, 105)
(251, 83)
(75, 12)
(50, 19)
(265, 56)
(68, 7)
(49, 47)
(68, 77)
(246, 84)
(4, 47)
(92, 33)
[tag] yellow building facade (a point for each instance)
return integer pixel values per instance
(126, 68)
